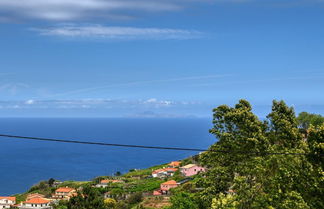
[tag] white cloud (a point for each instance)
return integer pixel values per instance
(119, 33)
(158, 103)
(152, 100)
(67, 10)
(93, 103)
(75, 10)
(30, 102)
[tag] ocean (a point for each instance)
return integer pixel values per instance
(23, 163)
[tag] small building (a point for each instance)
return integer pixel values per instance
(174, 164)
(164, 172)
(56, 183)
(171, 171)
(104, 183)
(191, 169)
(37, 203)
(166, 186)
(158, 173)
(7, 202)
(157, 192)
(64, 193)
(34, 195)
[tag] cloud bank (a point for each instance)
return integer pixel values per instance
(85, 10)
(137, 108)
(93, 103)
(72, 10)
(119, 33)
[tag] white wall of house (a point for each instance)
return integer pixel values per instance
(4, 203)
(36, 206)
(102, 185)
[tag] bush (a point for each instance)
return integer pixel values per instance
(135, 198)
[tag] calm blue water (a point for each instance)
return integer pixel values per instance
(24, 163)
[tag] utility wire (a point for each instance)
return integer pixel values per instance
(148, 147)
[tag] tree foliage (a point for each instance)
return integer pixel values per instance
(183, 200)
(306, 119)
(89, 198)
(242, 175)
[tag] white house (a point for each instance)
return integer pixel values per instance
(6, 202)
(164, 172)
(64, 193)
(36, 203)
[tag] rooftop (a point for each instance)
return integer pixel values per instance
(8, 198)
(175, 163)
(158, 171)
(65, 189)
(189, 166)
(171, 182)
(37, 201)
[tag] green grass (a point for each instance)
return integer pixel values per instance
(145, 185)
(143, 172)
(74, 184)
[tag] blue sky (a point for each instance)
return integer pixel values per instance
(158, 58)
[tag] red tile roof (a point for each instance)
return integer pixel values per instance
(171, 182)
(8, 198)
(106, 181)
(171, 169)
(34, 195)
(158, 171)
(37, 201)
(165, 170)
(175, 163)
(65, 189)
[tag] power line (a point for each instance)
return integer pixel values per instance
(101, 143)
(148, 147)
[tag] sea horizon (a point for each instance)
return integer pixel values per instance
(28, 162)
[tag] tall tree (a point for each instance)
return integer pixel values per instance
(240, 172)
(305, 119)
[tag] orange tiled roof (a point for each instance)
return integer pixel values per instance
(158, 171)
(171, 169)
(175, 163)
(117, 181)
(65, 189)
(8, 198)
(171, 182)
(106, 181)
(37, 201)
(33, 195)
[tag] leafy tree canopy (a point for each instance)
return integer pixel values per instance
(306, 119)
(242, 175)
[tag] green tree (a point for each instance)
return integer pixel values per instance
(51, 182)
(224, 201)
(183, 200)
(306, 119)
(90, 198)
(238, 130)
(110, 203)
(238, 163)
(135, 198)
